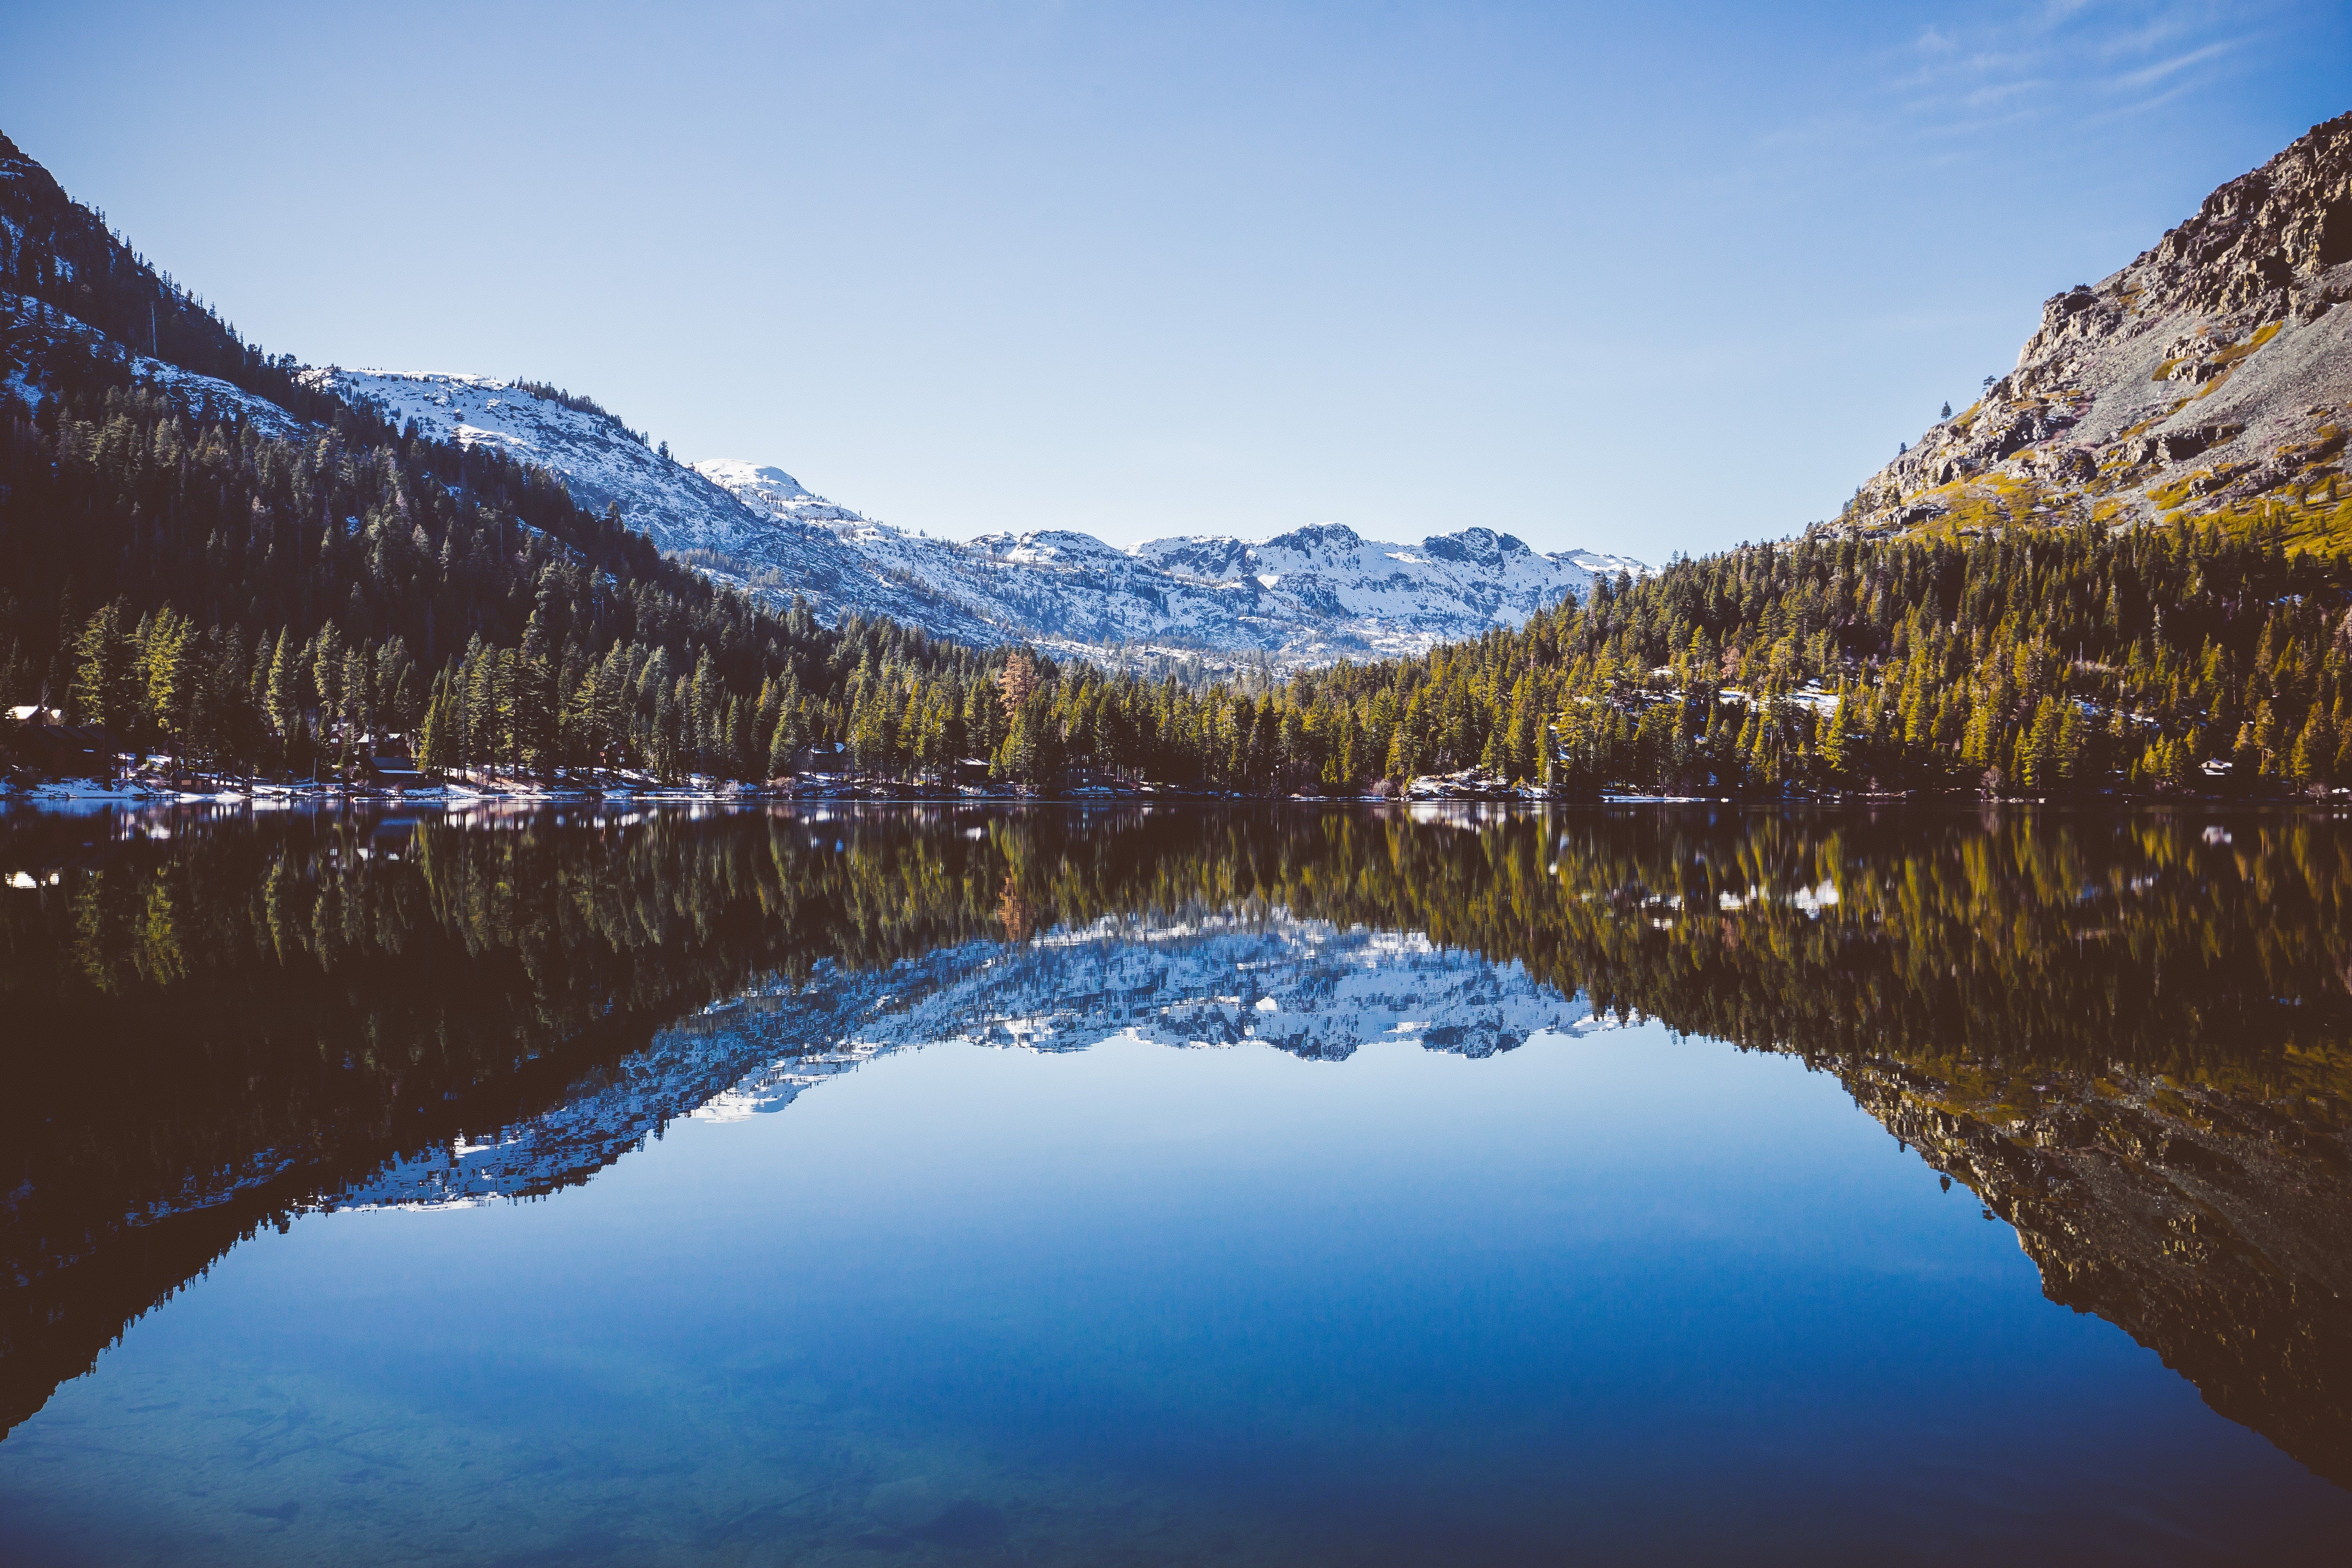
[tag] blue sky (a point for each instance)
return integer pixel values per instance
(1646, 280)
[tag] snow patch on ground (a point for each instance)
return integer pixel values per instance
(31, 325)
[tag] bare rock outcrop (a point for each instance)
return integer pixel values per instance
(2212, 377)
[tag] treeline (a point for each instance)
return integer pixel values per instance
(581, 403)
(2047, 660)
(2175, 658)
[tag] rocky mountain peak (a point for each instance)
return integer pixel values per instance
(1314, 536)
(1480, 545)
(2208, 378)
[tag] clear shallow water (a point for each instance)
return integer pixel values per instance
(1610, 1293)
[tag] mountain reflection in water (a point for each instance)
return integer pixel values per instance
(2131, 1038)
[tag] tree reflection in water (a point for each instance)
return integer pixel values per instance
(2128, 1036)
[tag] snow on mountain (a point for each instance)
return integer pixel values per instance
(781, 549)
(772, 492)
(1304, 986)
(603, 462)
(1392, 598)
(34, 330)
(1304, 597)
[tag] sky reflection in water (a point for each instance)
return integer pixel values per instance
(1611, 1292)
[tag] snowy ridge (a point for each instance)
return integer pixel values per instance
(1304, 598)
(604, 464)
(1303, 986)
(35, 330)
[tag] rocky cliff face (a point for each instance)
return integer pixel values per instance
(2211, 378)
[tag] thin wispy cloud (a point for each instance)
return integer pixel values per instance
(2141, 106)
(2062, 61)
(2156, 33)
(2163, 69)
(2001, 92)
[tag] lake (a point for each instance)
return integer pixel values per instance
(1179, 1186)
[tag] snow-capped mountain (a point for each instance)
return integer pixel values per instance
(1304, 986)
(1304, 598)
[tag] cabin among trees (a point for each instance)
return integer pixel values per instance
(38, 738)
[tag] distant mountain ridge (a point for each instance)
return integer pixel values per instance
(1302, 598)
(1305, 597)
(2209, 378)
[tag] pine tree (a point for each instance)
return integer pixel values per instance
(105, 690)
(433, 754)
(532, 702)
(284, 696)
(326, 662)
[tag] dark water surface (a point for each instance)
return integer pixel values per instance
(1655, 1185)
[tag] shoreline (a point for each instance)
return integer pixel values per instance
(70, 796)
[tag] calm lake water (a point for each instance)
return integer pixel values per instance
(1067, 1187)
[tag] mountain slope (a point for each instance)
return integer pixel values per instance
(2212, 377)
(606, 465)
(35, 334)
